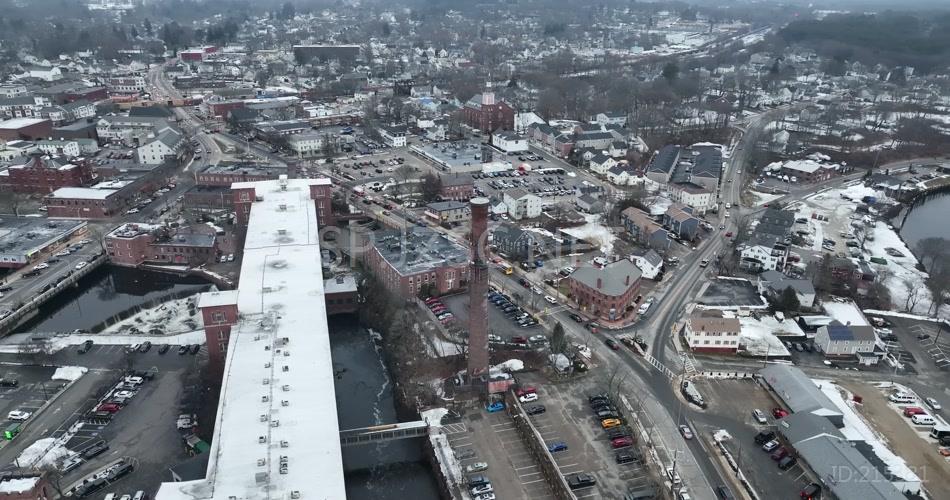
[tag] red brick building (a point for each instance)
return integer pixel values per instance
(84, 203)
(42, 175)
(219, 312)
(225, 175)
(484, 113)
(243, 195)
(609, 292)
(131, 245)
(26, 128)
(457, 187)
(418, 260)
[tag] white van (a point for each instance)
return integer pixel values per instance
(923, 420)
(902, 398)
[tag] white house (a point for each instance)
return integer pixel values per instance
(601, 163)
(524, 120)
(509, 142)
(617, 149)
(692, 195)
(710, 331)
(650, 264)
(48, 74)
(611, 118)
(774, 283)
(845, 340)
(522, 204)
(55, 147)
(394, 135)
(166, 144)
(621, 175)
(307, 143)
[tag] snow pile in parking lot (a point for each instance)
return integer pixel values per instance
(43, 452)
(512, 365)
(434, 416)
(69, 373)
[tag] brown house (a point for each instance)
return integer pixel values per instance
(607, 292)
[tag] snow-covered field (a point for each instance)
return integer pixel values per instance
(170, 317)
(856, 428)
(69, 373)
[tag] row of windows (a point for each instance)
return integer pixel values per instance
(348, 300)
(715, 334)
(722, 342)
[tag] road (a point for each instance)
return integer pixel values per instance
(25, 288)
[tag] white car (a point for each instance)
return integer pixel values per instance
(18, 415)
(476, 467)
(132, 211)
(528, 398)
(123, 394)
(81, 264)
(40, 266)
(63, 253)
(479, 490)
(759, 416)
(933, 404)
(85, 242)
(550, 299)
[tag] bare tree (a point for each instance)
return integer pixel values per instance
(913, 294)
(938, 284)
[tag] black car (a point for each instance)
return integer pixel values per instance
(582, 480)
(183, 350)
(617, 432)
(764, 437)
(535, 410)
(96, 449)
(577, 317)
(626, 457)
(611, 343)
(787, 463)
(195, 348)
(9, 382)
(84, 348)
(31, 274)
(164, 348)
(5, 288)
(599, 396)
(723, 493)
(607, 414)
(145, 346)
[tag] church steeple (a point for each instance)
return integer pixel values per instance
(488, 96)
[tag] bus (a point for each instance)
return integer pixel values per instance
(550, 170)
(505, 268)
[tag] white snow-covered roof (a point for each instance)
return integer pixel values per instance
(847, 313)
(277, 431)
(220, 298)
(82, 193)
(18, 485)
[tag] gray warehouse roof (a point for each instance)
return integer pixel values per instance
(798, 392)
(613, 277)
(844, 470)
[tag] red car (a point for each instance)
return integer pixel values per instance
(431, 300)
(526, 390)
(779, 413)
(621, 442)
(729, 234)
(109, 407)
(910, 411)
(519, 340)
(779, 454)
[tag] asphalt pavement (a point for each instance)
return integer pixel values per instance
(25, 288)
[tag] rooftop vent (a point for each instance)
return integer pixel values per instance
(285, 388)
(284, 443)
(265, 398)
(275, 423)
(282, 207)
(267, 365)
(284, 402)
(266, 381)
(286, 368)
(261, 439)
(263, 417)
(281, 231)
(295, 494)
(261, 462)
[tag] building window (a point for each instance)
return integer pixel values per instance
(218, 317)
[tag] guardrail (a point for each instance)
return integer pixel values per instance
(535, 444)
(19, 315)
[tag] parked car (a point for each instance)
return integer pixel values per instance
(535, 410)
(626, 457)
(621, 442)
(611, 343)
(764, 437)
(496, 406)
(183, 350)
(9, 382)
(81, 264)
(164, 348)
(145, 346)
(779, 454)
(582, 480)
(787, 463)
(109, 407)
(476, 467)
(557, 446)
(610, 422)
(194, 348)
(528, 398)
(759, 416)
(933, 404)
(770, 446)
(779, 413)
(84, 348)
(18, 415)
(95, 449)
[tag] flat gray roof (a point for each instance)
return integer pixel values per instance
(419, 249)
(22, 236)
(798, 392)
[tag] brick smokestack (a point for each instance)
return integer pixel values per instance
(478, 293)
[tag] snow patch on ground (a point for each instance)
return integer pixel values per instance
(70, 373)
(43, 452)
(170, 317)
(903, 277)
(510, 366)
(857, 429)
(434, 416)
(722, 435)
(763, 198)
(594, 233)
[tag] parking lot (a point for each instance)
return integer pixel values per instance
(499, 324)
(141, 428)
(730, 408)
(728, 292)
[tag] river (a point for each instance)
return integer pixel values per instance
(364, 396)
(927, 219)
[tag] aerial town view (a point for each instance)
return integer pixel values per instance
(515, 249)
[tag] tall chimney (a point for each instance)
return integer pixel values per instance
(478, 294)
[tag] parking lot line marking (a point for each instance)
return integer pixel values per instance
(532, 482)
(527, 467)
(591, 494)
